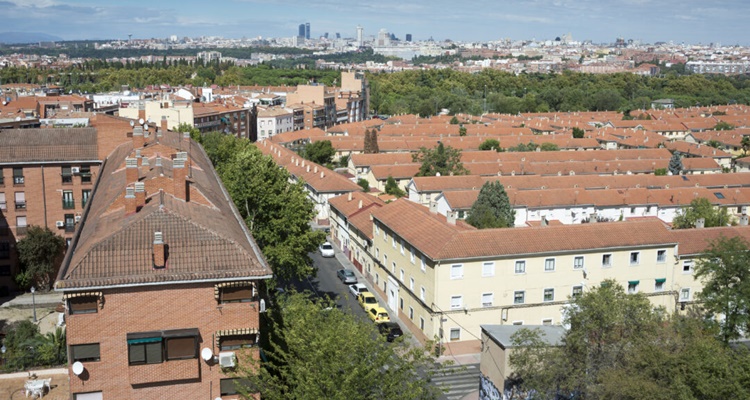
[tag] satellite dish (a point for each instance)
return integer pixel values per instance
(5, 102)
(207, 354)
(145, 127)
(132, 123)
(18, 119)
(141, 121)
(77, 368)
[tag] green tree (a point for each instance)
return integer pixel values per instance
(660, 172)
(578, 133)
(675, 164)
(713, 143)
(52, 348)
(723, 126)
(185, 127)
(276, 211)
(745, 144)
(442, 160)
(317, 351)
(725, 271)
(364, 184)
(454, 120)
(22, 340)
(490, 144)
(462, 131)
(40, 253)
(546, 146)
(701, 208)
(320, 152)
(492, 208)
(391, 187)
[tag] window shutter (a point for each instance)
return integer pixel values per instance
(153, 352)
(84, 304)
(88, 352)
(236, 293)
(137, 354)
(183, 347)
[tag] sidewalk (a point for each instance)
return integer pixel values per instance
(25, 300)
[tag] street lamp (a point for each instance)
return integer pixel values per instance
(33, 301)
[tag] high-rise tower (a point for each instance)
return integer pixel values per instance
(307, 30)
(301, 30)
(360, 35)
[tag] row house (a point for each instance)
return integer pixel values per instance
(161, 282)
(273, 121)
(445, 279)
(46, 179)
(351, 226)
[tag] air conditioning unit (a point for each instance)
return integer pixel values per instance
(75, 170)
(227, 359)
(60, 224)
(78, 218)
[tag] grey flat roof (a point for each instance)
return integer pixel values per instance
(500, 334)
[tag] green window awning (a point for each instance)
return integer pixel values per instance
(144, 340)
(633, 282)
(661, 280)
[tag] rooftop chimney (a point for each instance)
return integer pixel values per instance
(349, 197)
(700, 223)
(130, 201)
(360, 204)
(451, 217)
(140, 195)
(131, 170)
(138, 139)
(164, 125)
(160, 251)
(433, 207)
(179, 177)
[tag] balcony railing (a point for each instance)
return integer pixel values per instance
(70, 228)
(18, 180)
(20, 205)
(68, 204)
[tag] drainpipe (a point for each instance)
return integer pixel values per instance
(44, 199)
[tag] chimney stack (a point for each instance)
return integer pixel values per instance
(360, 204)
(131, 170)
(179, 177)
(433, 207)
(164, 125)
(140, 195)
(743, 220)
(451, 217)
(138, 139)
(160, 251)
(349, 197)
(700, 223)
(130, 201)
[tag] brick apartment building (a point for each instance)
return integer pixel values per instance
(161, 271)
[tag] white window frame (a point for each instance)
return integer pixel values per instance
(457, 331)
(411, 256)
(424, 264)
(411, 283)
(422, 292)
(491, 299)
(575, 262)
(637, 258)
(457, 267)
(518, 263)
(609, 260)
(632, 289)
(523, 296)
(411, 313)
(544, 295)
(460, 302)
(547, 263)
(658, 253)
(393, 267)
(377, 229)
(401, 242)
(683, 297)
(573, 291)
(518, 322)
(421, 324)
(659, 286)
(547, 321)
(488, 268)
(393, 241)
(401, 275)
(689, 264)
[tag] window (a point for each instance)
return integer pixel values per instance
(577, 291)
(547, 321)
(3, 204)
(232, 386)
(377, 229)
(633, 287)
(393, 268)
(401, 242)
(20, 198)
(455, 333)
(67, 200)
(84, 352)
(549, 264)
(67, 175)
(18, 176)
(423, 263)
(421, 293)
(182, 348)
(661, 256)
(487, 299)
(517, 322)
(411, 313)
(606, 260)
(411, 255)
(401, 275)
(549, 294)
(85, 195)
(85, 174)
(635, 258)
(155, 347)
(411, 284)
(457, 271)
(421, 323)
(393, 241)
(83, 305)
(21, 225)
(488, 269)
(659, 284)
(457, 302)
(685, 294)
(235, 342)
(236, 294)
(2, 179)
(687, 266)
(578, 262)
(519, 297)
(88, 396)
(520, 267)
(377, 252)
(145, 351)
(401, 302)
(385, 260)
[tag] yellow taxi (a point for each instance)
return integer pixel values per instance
(367, 300)
(378, 315)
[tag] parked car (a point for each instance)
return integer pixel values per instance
(378, 315)
(346, 276)
(390, 330)
(357, 288)
(326, 250)
(367, 300)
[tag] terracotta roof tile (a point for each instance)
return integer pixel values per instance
(30, 145)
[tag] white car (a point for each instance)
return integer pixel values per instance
(357, 288)
(326, 250)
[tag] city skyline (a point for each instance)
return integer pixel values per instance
(687, 21)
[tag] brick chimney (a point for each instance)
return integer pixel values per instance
(140, 195)
(131, 170)
(138, 139)
(130, 201)
(160, 253)
(179, 177)
(164, 124)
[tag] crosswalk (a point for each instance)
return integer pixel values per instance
(459, 380)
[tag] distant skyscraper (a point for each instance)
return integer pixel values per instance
(325, 35)
(301, 31)
(307, 30)
(360, 35)
(408, 37)
(338, 35)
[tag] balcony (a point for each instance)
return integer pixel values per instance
(70, 228)
(168, 371)
(68, 204)
(20, 205)
(18, 180)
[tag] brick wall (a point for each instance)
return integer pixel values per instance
(131, 310)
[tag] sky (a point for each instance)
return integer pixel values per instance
(602, 21)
